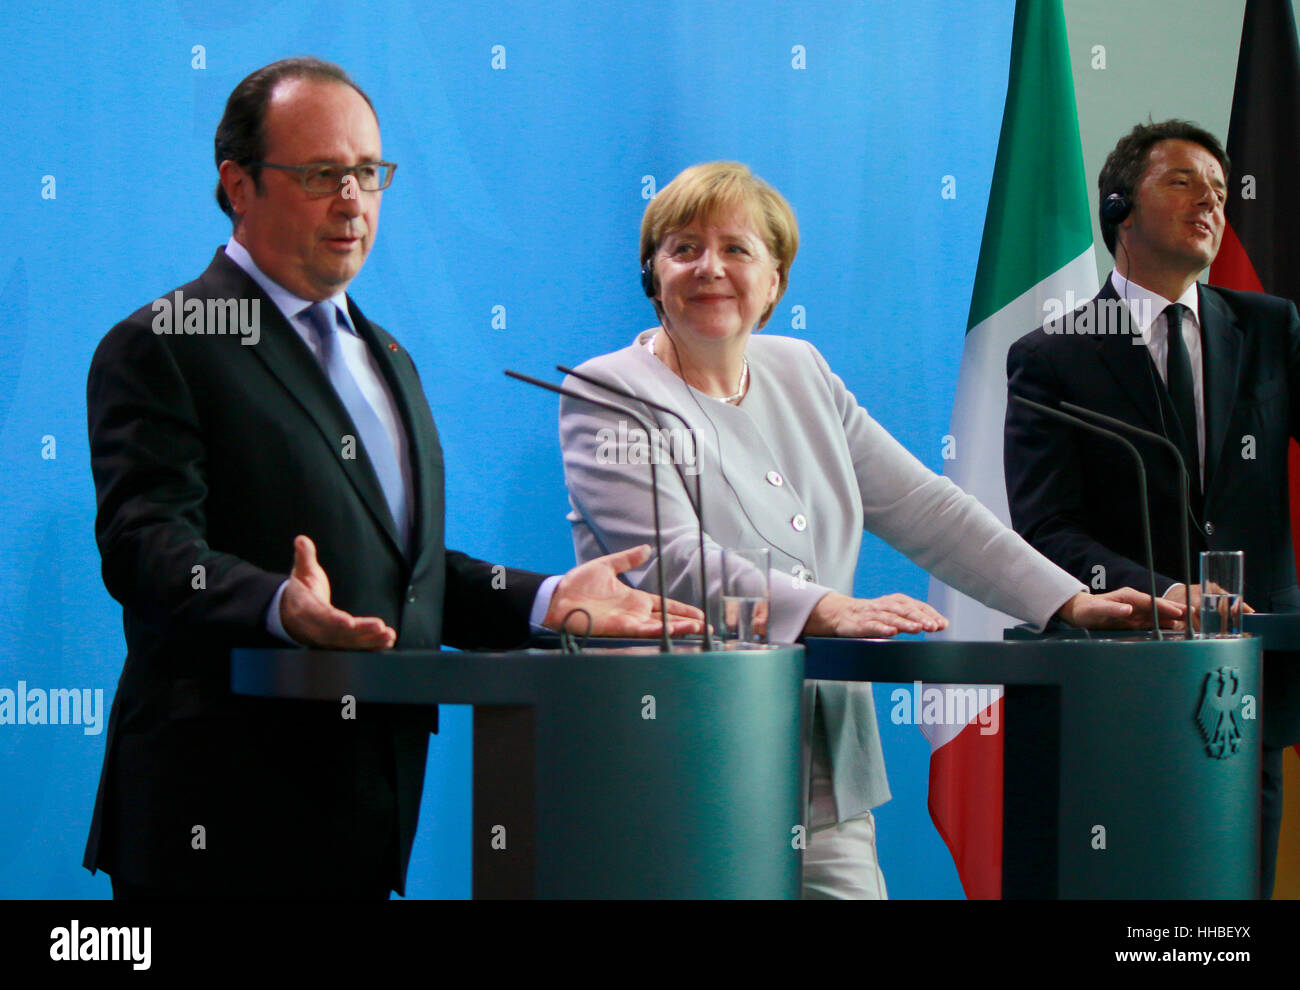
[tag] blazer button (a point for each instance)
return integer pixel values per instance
(1209, 528)
(774, 478)
(799, 523)
(410, 595)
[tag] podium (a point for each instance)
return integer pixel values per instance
(614, 773)
(1110, 789)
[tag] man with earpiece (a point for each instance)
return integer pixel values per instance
(1216, 372)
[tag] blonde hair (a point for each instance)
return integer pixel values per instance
(716, 187)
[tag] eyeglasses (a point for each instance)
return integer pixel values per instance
(326, 177)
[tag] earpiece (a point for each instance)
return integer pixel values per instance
(1116, 208)
(648, 277)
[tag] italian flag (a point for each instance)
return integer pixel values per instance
(1261, 253)
(1037, 246)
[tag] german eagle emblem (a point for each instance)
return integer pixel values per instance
(1218, 713)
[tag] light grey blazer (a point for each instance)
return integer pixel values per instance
(800, 468)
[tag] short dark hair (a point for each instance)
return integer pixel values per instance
(240, 136)
(1126, 164)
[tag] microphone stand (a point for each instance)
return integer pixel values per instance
(1142, 485)
(698, 504)
(1119, 424)
(665, 643)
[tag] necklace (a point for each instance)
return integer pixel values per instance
(739, 394)
(731, 399)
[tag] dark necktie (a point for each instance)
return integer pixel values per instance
(1183, 392)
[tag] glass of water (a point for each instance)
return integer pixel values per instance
(1222, 586)
(741, 615)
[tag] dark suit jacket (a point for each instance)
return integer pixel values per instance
(1074, 495)
(209, 457)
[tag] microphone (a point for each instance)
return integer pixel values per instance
(665, 642)
(1142, 485)
(697, 503)
(1169, 445)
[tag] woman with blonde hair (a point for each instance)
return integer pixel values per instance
(795, 465)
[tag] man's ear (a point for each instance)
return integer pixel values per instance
(238, 185)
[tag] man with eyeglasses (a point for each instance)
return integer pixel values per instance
(285, 492)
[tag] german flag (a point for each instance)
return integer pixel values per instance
(1261, 253)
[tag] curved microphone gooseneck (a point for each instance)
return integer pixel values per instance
(698, 502)
(665, 642)
(1119, 424)
(1142, 486)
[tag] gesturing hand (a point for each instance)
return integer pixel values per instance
(308, 616)
(840, 615)
(615, 608)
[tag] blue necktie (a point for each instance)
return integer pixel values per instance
(374, 437)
